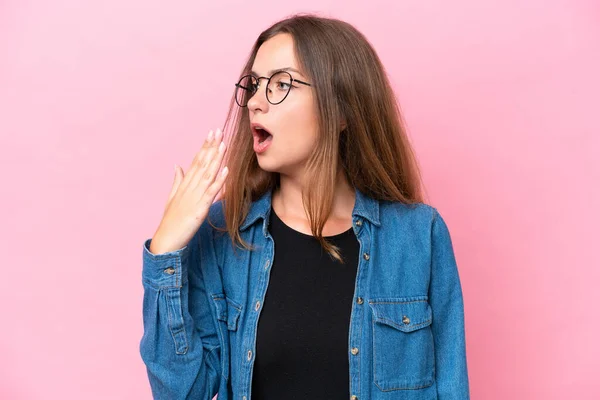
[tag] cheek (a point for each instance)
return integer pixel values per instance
(300, 127)
(300, 137)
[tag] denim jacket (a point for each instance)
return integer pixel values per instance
(406, 339)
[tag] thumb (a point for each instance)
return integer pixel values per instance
(176, 181)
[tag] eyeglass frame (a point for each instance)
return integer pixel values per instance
(292, 80)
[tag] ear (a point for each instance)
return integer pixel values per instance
(343, 123)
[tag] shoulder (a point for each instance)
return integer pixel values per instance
(415, 213)
(417, 218)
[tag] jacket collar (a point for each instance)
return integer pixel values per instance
(364, 206)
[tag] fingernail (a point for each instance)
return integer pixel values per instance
(224, 172)
(210, 136)
(218, 136)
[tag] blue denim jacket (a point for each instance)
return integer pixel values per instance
(406, 339)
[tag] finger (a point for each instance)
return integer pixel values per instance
(209, 143)
(210, 173)
(215, 164)
(202, 164)
(212, 191)
(176, 181)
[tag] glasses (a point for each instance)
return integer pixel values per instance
(278, 87)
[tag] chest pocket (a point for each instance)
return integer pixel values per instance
(228, 313)
(403, 352)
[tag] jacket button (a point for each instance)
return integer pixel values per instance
(169, 271)
(366, 256)
(353, 397)
(359, 300)
(249, 354)
(257, 306)
(405, 319)
(359, 223)
(267, 264)
(354, 351)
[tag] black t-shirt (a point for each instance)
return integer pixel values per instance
(302, 339)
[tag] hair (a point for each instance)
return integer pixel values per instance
(351, 87)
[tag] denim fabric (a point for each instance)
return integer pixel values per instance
(202, 304)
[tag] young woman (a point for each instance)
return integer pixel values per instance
(320, 273)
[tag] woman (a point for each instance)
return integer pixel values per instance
(364, 299)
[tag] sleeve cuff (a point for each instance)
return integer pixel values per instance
(166, 269)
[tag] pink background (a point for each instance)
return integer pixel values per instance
(99, 99)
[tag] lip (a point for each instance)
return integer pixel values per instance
(257, 146)
(256, 125)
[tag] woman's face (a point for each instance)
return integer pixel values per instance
(293, 122)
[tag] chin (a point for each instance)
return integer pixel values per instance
(266, 164)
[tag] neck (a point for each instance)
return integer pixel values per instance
(287, 198)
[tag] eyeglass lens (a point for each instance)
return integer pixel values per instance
(278, 88)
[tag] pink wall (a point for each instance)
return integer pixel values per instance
(99, 99)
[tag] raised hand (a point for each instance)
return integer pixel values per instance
(191, 196)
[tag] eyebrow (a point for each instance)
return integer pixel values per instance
(271, 72)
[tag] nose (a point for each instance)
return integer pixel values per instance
(258, 101)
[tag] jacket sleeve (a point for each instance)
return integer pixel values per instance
(180, 345)
(448, 325)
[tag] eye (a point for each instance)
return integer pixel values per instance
(285, 85)
(248, 84)
(252, 85)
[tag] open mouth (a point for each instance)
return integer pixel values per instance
(262, 134)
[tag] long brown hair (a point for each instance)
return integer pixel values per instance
(350, 85)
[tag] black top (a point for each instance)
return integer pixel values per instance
(302, 339)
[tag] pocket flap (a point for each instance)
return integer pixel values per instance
(403, 314)
(227, 310)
